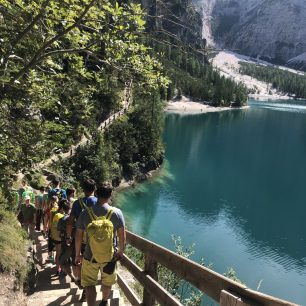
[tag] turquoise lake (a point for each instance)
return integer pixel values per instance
(233, 183)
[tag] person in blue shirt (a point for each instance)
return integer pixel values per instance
(89, 199)
(56, 190)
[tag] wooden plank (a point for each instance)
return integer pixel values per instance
(229, 299)
(159, 293)
(150, 269)
(206, 280)
(128, 292)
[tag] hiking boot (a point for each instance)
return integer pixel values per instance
(62, 274)
(57, 273)
(103, 303)
(83, 296)
(78, 283)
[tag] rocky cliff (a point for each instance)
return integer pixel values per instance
(176, 20)
(273, 30)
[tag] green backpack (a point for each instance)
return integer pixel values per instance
(100, 234)
(28, 191)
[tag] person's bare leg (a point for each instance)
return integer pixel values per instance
(58, 248)
(106, 290)
(91, 295)
(75, 271)
(67, 269)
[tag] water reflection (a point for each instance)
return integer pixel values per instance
(257, 164)
(236, 190)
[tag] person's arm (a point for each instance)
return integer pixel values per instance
(71, 219)
(34, 218)
(36, 202)
(121, 243)
(69, 226)
(50, 220)
(78, 243)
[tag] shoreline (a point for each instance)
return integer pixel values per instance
(150, 175)
(188, 107)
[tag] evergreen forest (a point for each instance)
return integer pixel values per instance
(285, 81)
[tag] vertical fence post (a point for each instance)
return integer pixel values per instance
(150, 269)
(227, 299)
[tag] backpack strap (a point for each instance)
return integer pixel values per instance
(91, 213)
(82, 204)
(94, 217)
(89, 210)
(109, 214)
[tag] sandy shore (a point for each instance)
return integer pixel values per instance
(186, 106)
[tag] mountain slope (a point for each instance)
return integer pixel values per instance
(274, 30)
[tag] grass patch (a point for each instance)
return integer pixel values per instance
(13, 245)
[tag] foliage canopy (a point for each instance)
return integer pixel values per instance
(62, 66)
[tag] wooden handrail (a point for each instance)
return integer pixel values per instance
(128, 292)
(206, 280)
(152, 286)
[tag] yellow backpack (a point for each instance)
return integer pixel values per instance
(55, 234)
(100, 235)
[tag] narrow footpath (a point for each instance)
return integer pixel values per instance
(104, 125)
(53, 290)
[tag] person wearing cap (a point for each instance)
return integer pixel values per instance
(24, 191)
(29, 216)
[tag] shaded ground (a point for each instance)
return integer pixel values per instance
(54, 290)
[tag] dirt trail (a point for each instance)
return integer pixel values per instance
(104, 125)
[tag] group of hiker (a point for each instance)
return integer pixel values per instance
(86, 233)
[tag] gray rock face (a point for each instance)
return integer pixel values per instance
(298, 62)
(274, 30)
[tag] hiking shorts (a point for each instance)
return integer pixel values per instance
(65, 256)
(90, 271)
(55, 242)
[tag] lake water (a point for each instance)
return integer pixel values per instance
(234, 183)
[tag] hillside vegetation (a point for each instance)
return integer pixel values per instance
(64, 66)
(290, 83)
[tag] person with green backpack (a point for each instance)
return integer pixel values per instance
(25, 191)
(105, 231)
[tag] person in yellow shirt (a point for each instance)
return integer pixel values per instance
(49, 213)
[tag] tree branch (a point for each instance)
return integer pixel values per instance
(63, 51)
(22, 34)
(37, 55)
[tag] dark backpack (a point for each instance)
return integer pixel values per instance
(60, 194)
(61, 226)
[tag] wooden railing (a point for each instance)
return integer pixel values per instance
(219, 288)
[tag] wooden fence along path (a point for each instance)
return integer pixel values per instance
(60, 291)
(221, 289)
(104, 125)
